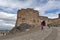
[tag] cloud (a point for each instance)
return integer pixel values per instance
(50, 6)
(7, 16)
(9, 8)
(15, 3)
(7, 20)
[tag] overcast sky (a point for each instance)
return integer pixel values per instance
(8, 10)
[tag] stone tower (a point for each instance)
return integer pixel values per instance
(29, 16)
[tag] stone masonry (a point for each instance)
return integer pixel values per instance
(28, 16)
(31, 17)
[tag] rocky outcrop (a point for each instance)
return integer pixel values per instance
(21, 28)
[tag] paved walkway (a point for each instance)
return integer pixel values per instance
(53, 35)
(58, 33)
(46, 34)
(38, 35)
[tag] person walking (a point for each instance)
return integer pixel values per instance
(43, 24)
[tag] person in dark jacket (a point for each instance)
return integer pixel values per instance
(43, 24)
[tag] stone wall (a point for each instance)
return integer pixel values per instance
(43, 18)
(54, 22)
(31, 17)
(28, 16)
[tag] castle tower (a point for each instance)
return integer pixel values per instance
(29, 16)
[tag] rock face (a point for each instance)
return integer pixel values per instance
(21, 27)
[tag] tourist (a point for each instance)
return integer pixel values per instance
(43, 25)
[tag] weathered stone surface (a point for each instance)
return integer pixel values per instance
(29, 16)
(32, 18)
(36, 35)
(21, 28)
